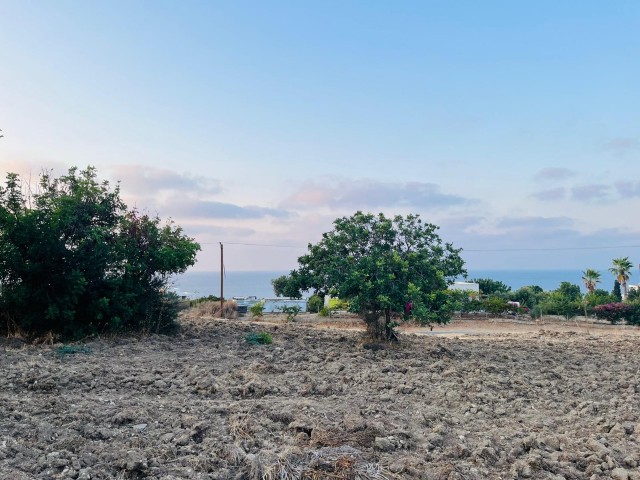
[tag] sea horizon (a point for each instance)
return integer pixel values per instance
(195, 284)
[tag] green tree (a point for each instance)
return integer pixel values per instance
(379, 264)
(287, 286)
(600, 297)
(566, 300)
(495, 305)
(74, 261)
(591, 279)
(616, 293)
(489, 286)
(621, 269)
(528, 296)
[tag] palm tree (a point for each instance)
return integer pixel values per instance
(591, 279)
(621, 269)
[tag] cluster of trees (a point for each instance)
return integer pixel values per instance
(75, 261)
(567, 300)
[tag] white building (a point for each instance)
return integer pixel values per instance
(466, 287)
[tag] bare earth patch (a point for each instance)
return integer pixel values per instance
(548, 401)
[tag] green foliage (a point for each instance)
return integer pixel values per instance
(634, 295)
(315, 303)
(621, 269)
(197, 301)
(378, 264)
(286, 286)
(65, 350)
(566, 300)
(491, 287)
(257, 309)
(259, 338)
(291, 311)
(464, 301)
(616, 293)
(536, 312)
(324, 312)
(569, 291)
(74, 261)
(339, 304)
(495, 305)
(599, 297)
(590, 278)
(615, 312)
(529, 296)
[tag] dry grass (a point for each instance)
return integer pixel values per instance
(212, 309)
(344, 463)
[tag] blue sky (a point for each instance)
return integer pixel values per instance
(512, 125)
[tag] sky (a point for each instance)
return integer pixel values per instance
(514, 126)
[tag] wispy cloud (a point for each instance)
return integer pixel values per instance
(591, 193)
(370, 194)
(141, 180)
(555, 174)
(622, 145)
(551, 194)
(627, 189)
(534, 223)
(207, 209)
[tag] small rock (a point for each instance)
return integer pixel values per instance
(84, 474)
(139, 427)
(383, 444)
(619, 474)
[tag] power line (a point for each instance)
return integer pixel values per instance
(548, 249)
(498, 250)
(254, 244)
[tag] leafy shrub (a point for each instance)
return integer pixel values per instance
(615, 312)
(536, 312)
(257, 309)
(65, 350)
(197, 301)
(75, 261)
(315, 303)
(324, 312)
(495, 305)
(489, 286)
(338, 304)
(290, 311)
(259, 338)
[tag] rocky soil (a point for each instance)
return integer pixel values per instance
(320, 403)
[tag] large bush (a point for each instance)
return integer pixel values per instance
(75, 261)
(380, 264)
(616, 312)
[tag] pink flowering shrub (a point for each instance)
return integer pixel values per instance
(615, 312)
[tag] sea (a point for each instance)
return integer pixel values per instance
(258, 283)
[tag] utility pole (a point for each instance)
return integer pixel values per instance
(221, 280)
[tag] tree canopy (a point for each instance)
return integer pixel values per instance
(74, 260)
(489, 286)
(380, 265)
(621, 269)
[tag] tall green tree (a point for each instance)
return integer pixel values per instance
(380, 264)
(488, 286)
(616, 293)
(621, 269)
(74, 261)
(591, 279)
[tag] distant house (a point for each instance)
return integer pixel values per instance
(466, 287)
(271, 305)
(274, 305)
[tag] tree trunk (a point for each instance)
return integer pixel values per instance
(379, 327)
